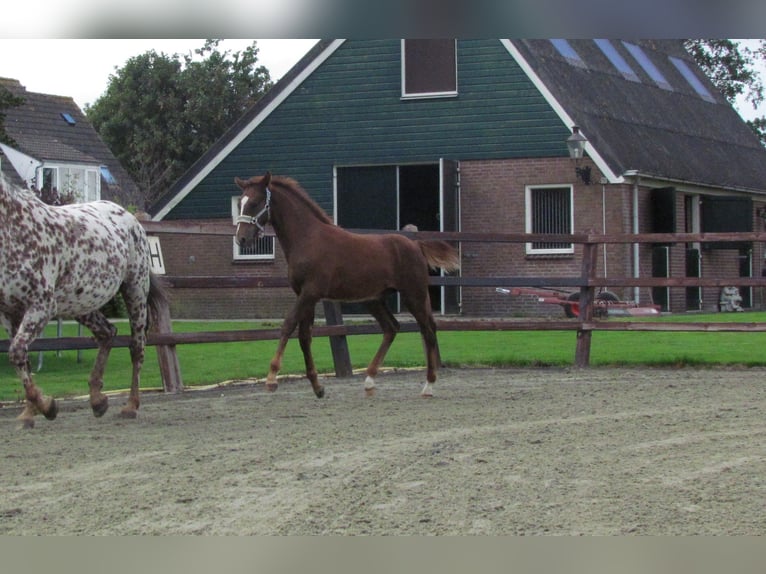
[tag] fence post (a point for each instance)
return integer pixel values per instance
(338, 343)
(582, 352)
(170, 370)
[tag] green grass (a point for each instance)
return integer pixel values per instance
(212, 363)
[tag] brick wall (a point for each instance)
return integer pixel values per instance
(493, 199)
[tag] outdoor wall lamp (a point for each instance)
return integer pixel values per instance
(576, 145)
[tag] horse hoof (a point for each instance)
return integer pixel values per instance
(53, 410)
(128, 413)
(319, 392)
(369, 386)
(100, 407)
(271, 387)
(427, 392)
(26, 424)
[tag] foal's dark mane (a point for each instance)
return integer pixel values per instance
(294, 189)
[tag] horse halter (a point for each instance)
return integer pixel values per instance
(253, 220)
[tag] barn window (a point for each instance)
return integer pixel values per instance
(260, 249)
(429, 68)
(549, 211)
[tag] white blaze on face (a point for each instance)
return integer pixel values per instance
(243, 203)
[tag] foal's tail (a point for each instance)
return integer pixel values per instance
(440, 254)
(158, 297)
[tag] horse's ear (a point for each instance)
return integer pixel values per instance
(267, 179)
(240, 182)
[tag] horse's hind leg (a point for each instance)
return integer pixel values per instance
(104, 333)
(428, 332)
(22, 335)
(390, 327)
(136, 302)
(421, 310)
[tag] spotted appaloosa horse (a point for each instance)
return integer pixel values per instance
(69, 261)
(325, 261)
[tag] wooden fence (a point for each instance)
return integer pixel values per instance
(587, 282)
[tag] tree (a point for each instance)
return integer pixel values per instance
(730, 66)
(160, 113)
(7, 100)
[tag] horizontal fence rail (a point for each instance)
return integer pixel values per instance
(587, 282)
(246, 282)
(226, 228)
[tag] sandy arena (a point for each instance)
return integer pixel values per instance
(496, 451)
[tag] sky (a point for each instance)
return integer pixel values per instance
(80, 68)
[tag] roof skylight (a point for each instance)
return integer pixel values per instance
(693, 80)
(643, 60)
(617, 60)
(68, 118)
(565, 49)
(107, 175)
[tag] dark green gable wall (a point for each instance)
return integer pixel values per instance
(350, 112)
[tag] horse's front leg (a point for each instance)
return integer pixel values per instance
(390, 327)
(137, 346)
(428, 332)
(303, 306)
(288, 326)
(104, 333)
(36, 401)
(304, 336)
(29, 329)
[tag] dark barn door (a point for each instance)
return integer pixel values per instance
(450, 221)
(367, 199)
(746, 270)
(419, 206)
(693, 269)
(661, 268)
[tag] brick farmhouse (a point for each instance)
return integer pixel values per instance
(471, 135)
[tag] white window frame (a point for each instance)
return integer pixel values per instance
(90, 190)
(528, 193)
(237, 255)
(424, 95)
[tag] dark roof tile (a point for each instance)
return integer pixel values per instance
(673, 134)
